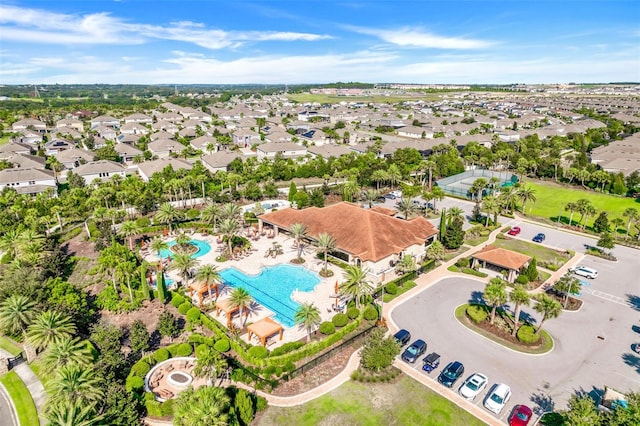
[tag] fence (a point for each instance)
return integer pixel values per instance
(455, 185)
(16, 360)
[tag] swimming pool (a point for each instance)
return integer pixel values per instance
(273, 286)
(203, 248)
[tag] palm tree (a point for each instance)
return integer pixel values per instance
(65, 352)
(308, 317)
(10, 241)
(205, 406)
(379, 176)
(167, 214)
(49, 327)
(571, 208)
(16, 313)
(509, 199)
(406, 207)
(230, 211)
(520, 297)
(589, 210)
(526, 193)
(454, 212)
(478, 187)
(617, 222)
(429, 165)
(158, 244)
(632, 215)
(349, 189)
(437, 193)
(183, 263)
(210, 364)
(240, 298)
(124, 271)
(495, 295)
(394, 175)
(73, 413)
(548, 307)
(356, 285)
(490, 206)
(210, 214)
(567, 284)
(298, 232)
(129, 229)
(370, 195)
(325, 243)
(208, 273)
(229, 228)
(436, 251)
(581, 207)
(75, 383)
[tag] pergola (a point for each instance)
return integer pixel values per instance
(202, 288)
(228, 309)
(264, 328)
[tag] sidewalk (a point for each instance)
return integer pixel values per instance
(32, 383)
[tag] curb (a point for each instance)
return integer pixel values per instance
(14, 413)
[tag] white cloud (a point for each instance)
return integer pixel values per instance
(417, 38)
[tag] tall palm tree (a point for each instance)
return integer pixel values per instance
(229, 228)
(478, 187)
(349, 189)
(617, 222)
(571, 208)
(632, 215)
(325, 243)
(210, 214)
(429, 166)
(437, 194)
(568, 284)
(49, 327)
(548, 307)
(370, 195)
(206, 405)
(454, 212)
(208, 273)
(509, 199)
(378, 177)
(298, 232)
(495, 295)
(491, 207)
(16, 313)
(589, 210)
(73, 413)
(10, 243)
(308, 317)
(526, 193)
(406, 207)
(158, 244)
(240, 298)
(210, 364)
(395, 176)
(65, 352)
(230, 211)
(130, 229)
(183, 263)
(167, 214)
(124, 271)
(356, 285)
(520, 297)
(581, 207)
(75, 383)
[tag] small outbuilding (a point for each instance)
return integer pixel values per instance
(263, 329)
(501, 259)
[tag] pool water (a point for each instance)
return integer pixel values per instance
(273, 286)
(203, 248)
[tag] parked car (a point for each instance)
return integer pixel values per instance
(451, 373)
(431, 362)
(403, 337)
(539, 238)
(413, 352)
(390, 196)
(520, 416)
(473, 386)
(584, 271)
(515, 230)
(497, 398)
(636, 348)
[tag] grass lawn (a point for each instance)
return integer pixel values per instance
(542, 254)
(405, 402)
(26, 408)
(551, 200)
(4, 139)
(451, 255)
(401, 289)
(9, 346)
(333, 99)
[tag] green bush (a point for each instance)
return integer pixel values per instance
(463, 262)
(370, 313)
(202, 349)
(193, 314)
(173, 349)
(391, 288)
(327, 328)
(184, 308)
(222, 345)
(287, 347)
(477, 313)
(176, 300)
(140, 368)
(184, 349)
(259, 352)
(340, 320)
(527, 334)
(161, 355)
(522, 279)
(353, 312)
(134, 384)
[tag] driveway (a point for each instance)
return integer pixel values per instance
(6, 412)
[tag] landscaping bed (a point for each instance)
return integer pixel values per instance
(573, 304)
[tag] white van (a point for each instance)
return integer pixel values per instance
(584, 271)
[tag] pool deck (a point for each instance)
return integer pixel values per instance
(323, 295)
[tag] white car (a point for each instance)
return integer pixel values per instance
(473, 386)
(584, 271)
(497, 398)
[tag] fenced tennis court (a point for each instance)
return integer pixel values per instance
(459, 185)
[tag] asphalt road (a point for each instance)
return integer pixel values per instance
(6, 414)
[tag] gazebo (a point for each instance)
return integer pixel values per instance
(228, 309)
(202, 288)
(264, 328)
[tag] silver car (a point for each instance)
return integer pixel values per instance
(473, 386)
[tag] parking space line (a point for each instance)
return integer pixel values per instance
(607, 296)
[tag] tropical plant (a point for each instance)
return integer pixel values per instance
(571, 208)
(210, 364)
(211, 213)
(349, 189)
(568, 284)
(632, 215)
(308, 317)
(520, 297)
(495, 294)
(73, 413)
(379, 351)
(75, 383)
(454, 212)
(205, 406)
(167, 214)
(67, 351)
(298, 232)
(229, 228)
(491, 206)
(508, 199)
(526, 193)
(208, 273)
(548, 307)
(230, 211)
(16, 313)
(325, 243)
(356, 285)
(49, 327)
(406, 265)
(370, 195)
(129, 229)
(183, 263)
(478, 188)
(158, 244)
(240, 298)
(436, 251)
(406, 207)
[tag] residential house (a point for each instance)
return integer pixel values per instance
(204, 143)
(57, 145)
(147, 169)
(70, 122)
(29, 124)
(28, 181)
(219, 161)
(416, 132)
(127, 152)
(161, 135)
(286, 149)
(134, 129)
(106, 132)
(74, 157)
(10, 149)
(138, 118)
(30, 137)
(105, 120)
(165, 147)
(26, 161)
(245, 138)
(619, 156)
(328, 150)
(100, 170)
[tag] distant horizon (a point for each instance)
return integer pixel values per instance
(154, 42)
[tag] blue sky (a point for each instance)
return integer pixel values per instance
(308, 41)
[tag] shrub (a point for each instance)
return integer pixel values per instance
(134, 384)
(340, 320)
(522, 279)
(184, 308)
(184, 349)
(140, 368)
(327, 328)
(161, 355)
(353, 312)
(176, 300)
(527, 334)
(173, 349)
(259, 352)
(477, 313)
(370, 313)
(202, 349)
(288, 347)
(222, 345)
(463, 262)
(193, 314)
(261, 403)
(391, 288)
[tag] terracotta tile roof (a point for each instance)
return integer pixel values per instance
(383, 210)
(502, 257)
(363, 233)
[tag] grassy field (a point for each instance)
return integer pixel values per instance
(405, 402)
(9, 346)
(333, 99)
(551, 200)
(27, 413)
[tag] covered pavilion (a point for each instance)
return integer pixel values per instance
(263, 329)
(226, 306)
(201, 288)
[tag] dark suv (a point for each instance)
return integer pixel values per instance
(413, 352)
(451, 373)
(403, 337)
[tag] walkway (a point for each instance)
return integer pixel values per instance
(31, 381)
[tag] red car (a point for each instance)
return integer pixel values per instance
(514, 231)
(520, 416)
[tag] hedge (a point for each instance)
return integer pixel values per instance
(370, 313)
(184, 308)
(202, 349)
(222, 345)
(259, 352)
(527, 334)
(161, 355)
(353, 313)
(340, 320)
(176, 300)
(477, 313)
(184, 349)
(134, 384)
(173, 349)
(522, 279)
(193, 314)
(327, 328)
(159, 409)
(288, 347)
(391, 288)
(140, 368)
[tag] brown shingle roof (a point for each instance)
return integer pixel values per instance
(502, 257)
(369, 235)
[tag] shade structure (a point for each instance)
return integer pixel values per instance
(202, 288)
(264, 328)
(226, 307)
